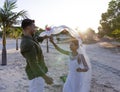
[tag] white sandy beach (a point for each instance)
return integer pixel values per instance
(105, 65)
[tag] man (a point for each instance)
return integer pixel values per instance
(36, 68)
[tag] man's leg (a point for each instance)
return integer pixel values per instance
(37, 85)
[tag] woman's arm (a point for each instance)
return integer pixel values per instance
(86, 68)
(59, 49)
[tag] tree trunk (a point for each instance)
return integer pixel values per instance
(16, 43)
(47, 46)
(4, 52)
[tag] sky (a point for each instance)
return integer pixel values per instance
(80, 14)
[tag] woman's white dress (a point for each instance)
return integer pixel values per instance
(77, 81)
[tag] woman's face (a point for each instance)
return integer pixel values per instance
(73, 47)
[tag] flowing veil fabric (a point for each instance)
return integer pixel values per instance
(57, 29)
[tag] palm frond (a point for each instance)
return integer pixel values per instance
(22, 14)
(8, 17)
(9, 5)
(15, 16)
(1, 11)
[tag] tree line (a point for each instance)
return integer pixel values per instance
(110, 21)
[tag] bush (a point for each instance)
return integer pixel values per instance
(63, 78)
(116, 34)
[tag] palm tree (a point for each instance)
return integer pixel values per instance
(8, 18)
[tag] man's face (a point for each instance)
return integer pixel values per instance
(31, 29)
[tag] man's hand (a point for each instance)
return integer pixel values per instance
(48, 79)
(51, 39)
(45, 37)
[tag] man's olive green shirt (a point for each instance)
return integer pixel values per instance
(31, 51)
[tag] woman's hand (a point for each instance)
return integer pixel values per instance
(81, 70)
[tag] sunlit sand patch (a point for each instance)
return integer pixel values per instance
(10, 51)
(67, 41)
(107, 45)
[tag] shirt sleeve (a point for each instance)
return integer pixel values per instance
(28, 51)
(39, 39)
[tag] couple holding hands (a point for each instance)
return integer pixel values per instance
(79, 76)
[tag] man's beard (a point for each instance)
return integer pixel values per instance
(32, 32)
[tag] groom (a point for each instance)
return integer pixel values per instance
(36, 68)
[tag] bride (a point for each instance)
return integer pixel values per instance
(79, 77)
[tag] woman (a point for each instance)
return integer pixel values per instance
(79, 77)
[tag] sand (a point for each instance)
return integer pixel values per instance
(105, 68)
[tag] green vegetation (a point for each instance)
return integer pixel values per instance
(15, 33)
(8, 19)
(110, 21)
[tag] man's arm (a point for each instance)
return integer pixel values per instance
(30, 54)
(40, 39)
(28, 51)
